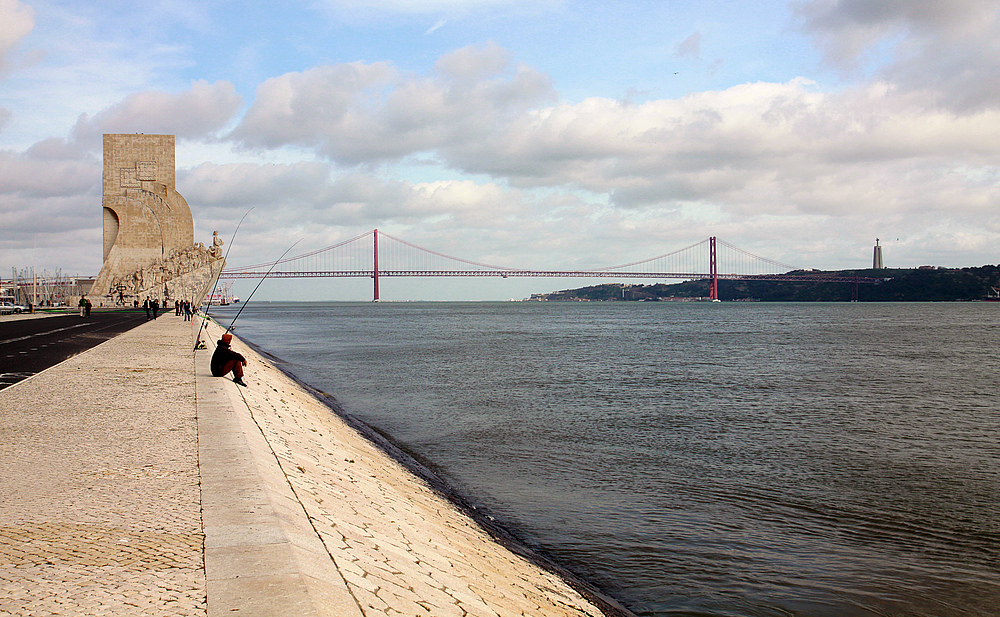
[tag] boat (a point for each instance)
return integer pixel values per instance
(994, 295)
(222, 297)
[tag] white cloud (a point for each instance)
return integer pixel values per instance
(306, 194)
(750, 152)
(358, 113)
(948, 49)
(17, 20)
(308, 108)
(196, 113)
(689, 47)
(249, 184)
(47, 208)
(755, 148)
(45, 172)
(471, 63)
(865, 21)
(437, 26)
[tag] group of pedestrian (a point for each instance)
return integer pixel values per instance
(151, 306)
(183, 307)
(85, 306)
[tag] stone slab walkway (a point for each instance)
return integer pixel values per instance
(134, 483)
(100, 504)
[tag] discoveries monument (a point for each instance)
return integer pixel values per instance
(149, 247)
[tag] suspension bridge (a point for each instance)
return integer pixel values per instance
(376, 254)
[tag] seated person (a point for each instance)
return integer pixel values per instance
(225, 360)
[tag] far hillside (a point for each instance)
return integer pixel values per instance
(896, 285)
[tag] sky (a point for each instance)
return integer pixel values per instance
(536, 134)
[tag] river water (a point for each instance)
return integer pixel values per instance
(694, 458)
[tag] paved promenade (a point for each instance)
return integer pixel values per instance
(134, 483)
(100, 505)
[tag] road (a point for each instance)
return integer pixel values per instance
(28, 346)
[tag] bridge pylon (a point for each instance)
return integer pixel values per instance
(713, 271)
(375, 269)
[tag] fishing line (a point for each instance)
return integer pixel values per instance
(198, 343)
(247, 301)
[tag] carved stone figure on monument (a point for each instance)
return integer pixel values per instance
(155, 274)
(216, 251)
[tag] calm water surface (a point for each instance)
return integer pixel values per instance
(696, 459)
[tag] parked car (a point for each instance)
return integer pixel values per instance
(6, 308)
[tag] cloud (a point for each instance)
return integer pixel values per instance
(315, 106)
(362, 113)
(755, 148)
(196, 113)
(947, 49)
(46, 171)
(689, 47)
(308, 201)
(862, 22)
(752, 150)
(248, 184)
(17, 20)
(47, 198)
(306, 193)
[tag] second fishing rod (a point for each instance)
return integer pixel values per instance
(243, 304)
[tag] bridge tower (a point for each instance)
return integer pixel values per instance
(375, 271)
(713, 270)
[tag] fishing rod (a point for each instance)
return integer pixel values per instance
(204, 323)
(247, 301)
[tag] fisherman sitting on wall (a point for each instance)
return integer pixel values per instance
(225, 360)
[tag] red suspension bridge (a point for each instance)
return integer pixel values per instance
(376, 254)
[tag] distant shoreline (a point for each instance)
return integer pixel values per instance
(924, 284)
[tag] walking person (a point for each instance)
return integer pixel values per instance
(177, 308)
(147, 304)
(86, 307)
(155, 307)
(225, 360)
(82, 304)
(187, 310)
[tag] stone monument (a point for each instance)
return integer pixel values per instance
(149, 247)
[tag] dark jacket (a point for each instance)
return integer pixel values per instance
(222, 355)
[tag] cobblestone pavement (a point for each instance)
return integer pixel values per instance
(401, 547)
(99, 489)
